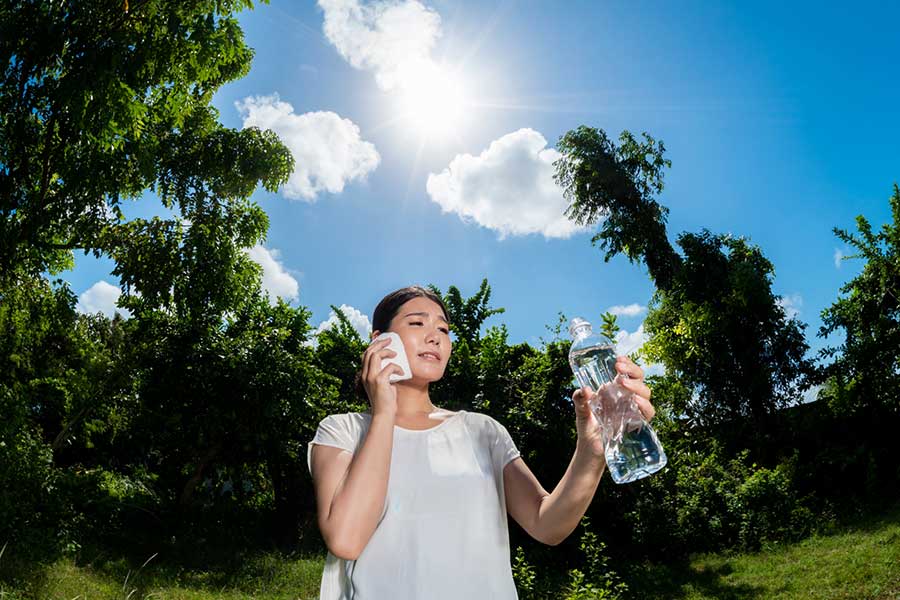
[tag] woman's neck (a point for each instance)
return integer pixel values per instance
(413, 401)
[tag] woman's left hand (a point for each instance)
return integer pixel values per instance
(589, 432)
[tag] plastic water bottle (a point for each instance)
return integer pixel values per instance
(631, 447)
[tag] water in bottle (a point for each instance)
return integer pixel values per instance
(630, 444)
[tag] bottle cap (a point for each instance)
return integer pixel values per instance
(577, 326)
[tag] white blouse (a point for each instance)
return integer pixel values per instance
(443, 532)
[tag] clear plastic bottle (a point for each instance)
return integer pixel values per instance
(632, 449)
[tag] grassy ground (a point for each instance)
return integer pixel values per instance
(860, 561)
(265, 576)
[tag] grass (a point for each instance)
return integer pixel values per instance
(263, 576)
(860, 561)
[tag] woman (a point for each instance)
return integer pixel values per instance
(412, 499)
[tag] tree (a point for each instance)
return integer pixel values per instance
(461, 386)
(609, 328)
(865, 372)
(616, 184)
(102, 100)
(714, 322)
(339, 351)
(720, 329)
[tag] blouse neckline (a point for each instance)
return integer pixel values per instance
(438, 426)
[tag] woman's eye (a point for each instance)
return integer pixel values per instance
(447, 331)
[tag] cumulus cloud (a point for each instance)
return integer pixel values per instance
(631, 310)
(811, 395)
(328, 150)
(389, 38)
(508, 188)
(838, 258)
(276, 281)
(360, 322)
(791, 305)
(626, 342)
(101, 297)
(631, 342)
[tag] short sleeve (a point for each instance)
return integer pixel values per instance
(333, 430)
(504, 449)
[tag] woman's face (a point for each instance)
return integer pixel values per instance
(425, 334)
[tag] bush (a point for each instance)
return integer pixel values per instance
(767, 507)
(523, 575)
(703, 501)
(33, 519)
(599, 582)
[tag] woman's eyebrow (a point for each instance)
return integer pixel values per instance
(424, 314)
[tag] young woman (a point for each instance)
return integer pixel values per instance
(412, 499)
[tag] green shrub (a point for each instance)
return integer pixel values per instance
(523, 575)
(599, 582)
(703, 501)
(768, 507)
(32, 517)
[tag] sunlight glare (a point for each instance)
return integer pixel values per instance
(432, 99)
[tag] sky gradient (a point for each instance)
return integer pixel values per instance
(780, 124)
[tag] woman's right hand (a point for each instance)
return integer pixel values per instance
(382, 394)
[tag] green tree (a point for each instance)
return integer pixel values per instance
(339, 350)
(714, 322)
(106, 102)
(102, 100)
(463, 383)
(616, 184)
(609, 328)
(865, 372)
(720, 329)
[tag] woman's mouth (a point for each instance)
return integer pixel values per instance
(430, 356)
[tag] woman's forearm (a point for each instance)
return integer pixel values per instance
(561, 511)
(359, 501)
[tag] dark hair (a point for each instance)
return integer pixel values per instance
(390, 305)
(388, 308)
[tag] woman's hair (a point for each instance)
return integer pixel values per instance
(388, 308)
(390, 305)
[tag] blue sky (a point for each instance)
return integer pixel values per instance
(780, 122)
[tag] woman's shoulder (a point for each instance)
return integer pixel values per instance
(350, 416)
(352, 421)
(481, 420)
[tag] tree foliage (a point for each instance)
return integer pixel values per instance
(616, 184)
(720, 329)
(101, 101)
(865, 372)
(714, 321)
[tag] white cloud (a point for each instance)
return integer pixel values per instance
(791, 305)
(276, 281)
(631, 310)
(626, 343)
(101, 297)
(838, 258)
(388, 38)
(360, 322)
(508, 188)
(811, 395)
(629, 343)
(328, 151)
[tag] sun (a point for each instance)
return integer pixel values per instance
(432, 99)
